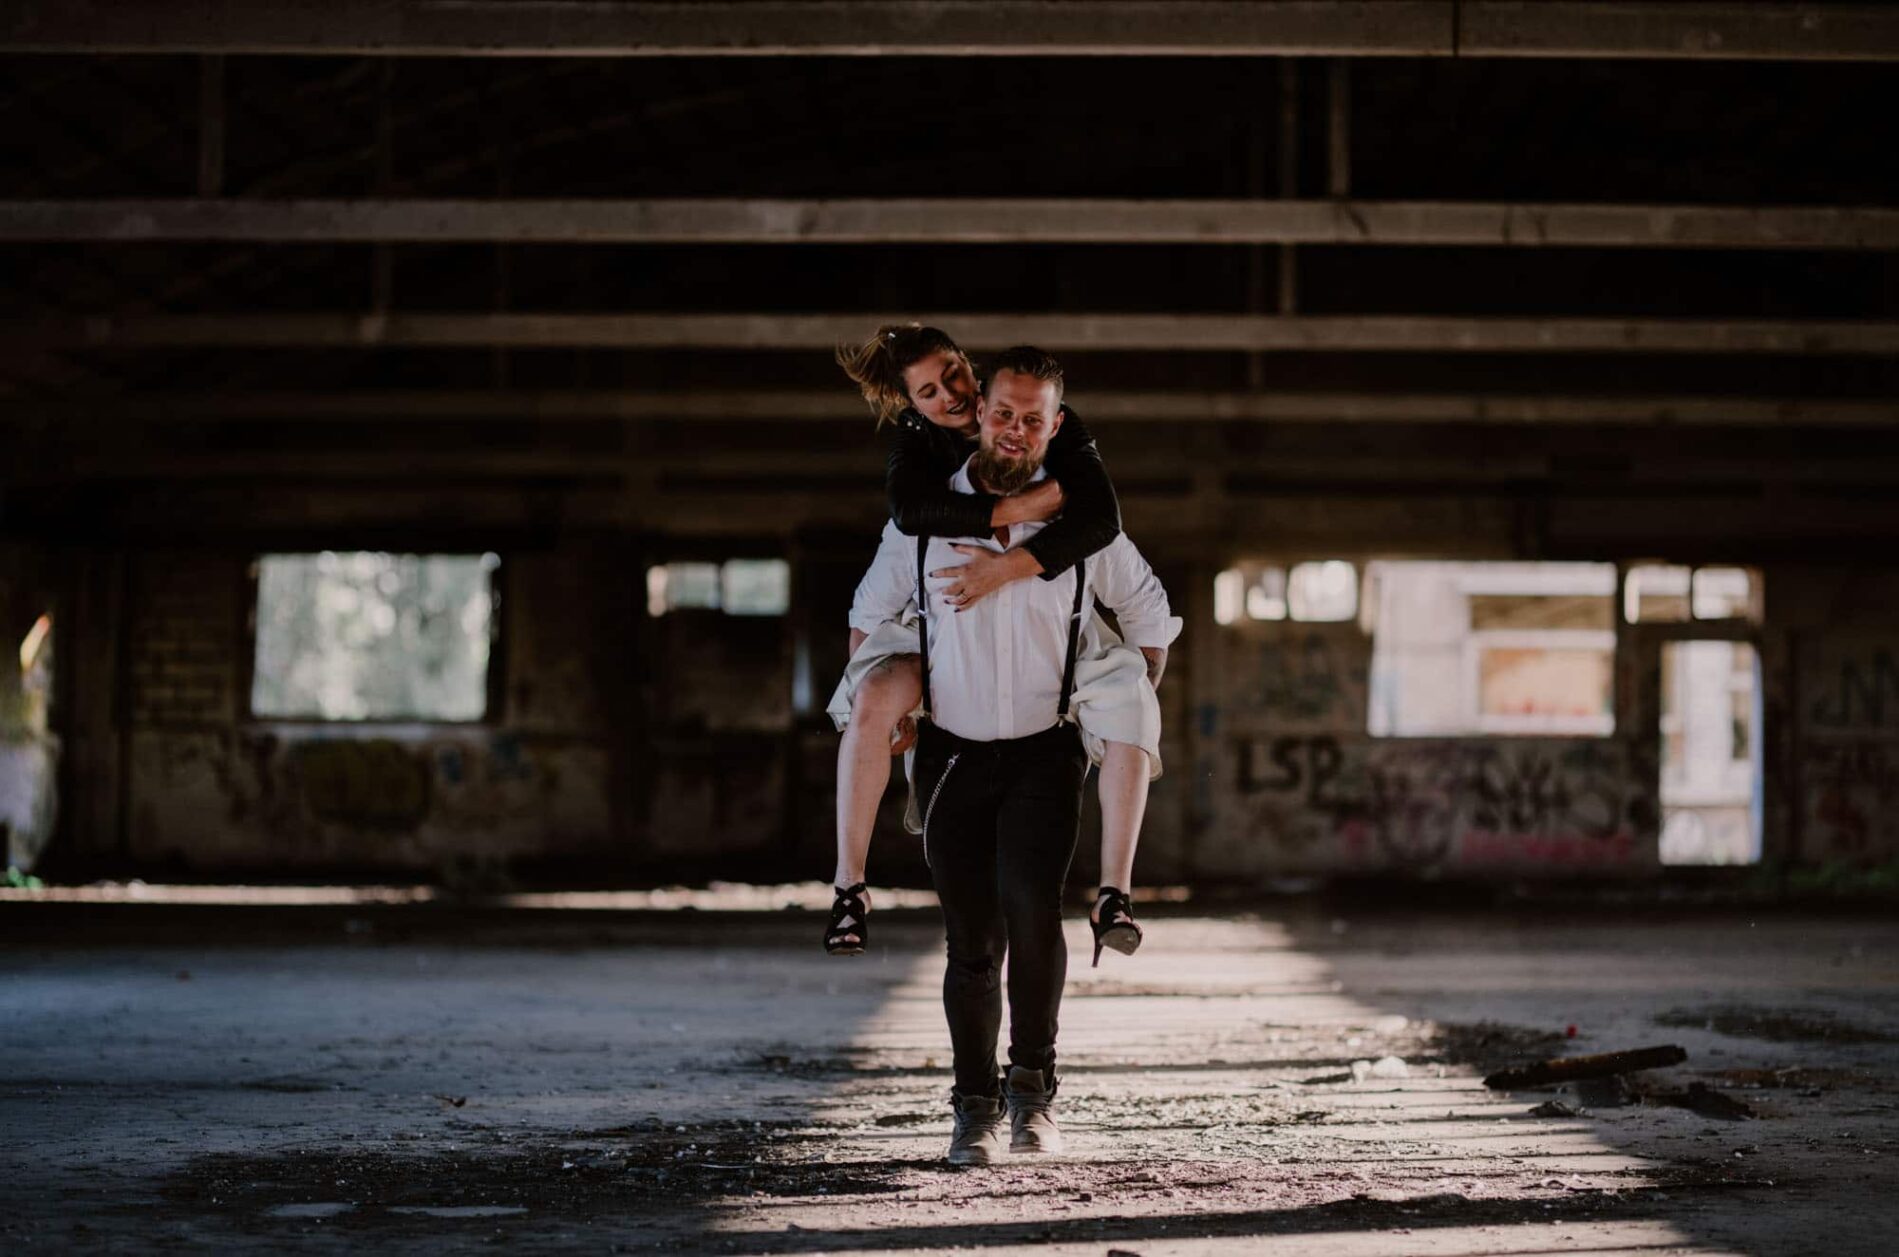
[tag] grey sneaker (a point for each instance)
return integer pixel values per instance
(1031, 1097)
(978, 1136)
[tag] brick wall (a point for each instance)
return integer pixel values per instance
(186, 650)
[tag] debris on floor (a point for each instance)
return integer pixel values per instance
(1612, 1092)
(1556, 1108)
(1390, 1067)
(1700, 1098)
(1600, 1065)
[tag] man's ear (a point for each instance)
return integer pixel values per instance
(1061, 413)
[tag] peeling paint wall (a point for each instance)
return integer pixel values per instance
(632, 748)
(213, 791)
(1317, 802)
(1298, 786)
(1849, 747)
(29, 749)
(243, 798)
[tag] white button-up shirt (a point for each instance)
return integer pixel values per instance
(996, 668)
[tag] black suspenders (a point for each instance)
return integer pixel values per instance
(923, 620)
(923, 629)
(1074, 639)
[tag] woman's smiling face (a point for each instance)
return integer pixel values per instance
(943, 389)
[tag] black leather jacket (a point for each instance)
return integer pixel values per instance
(923, 456)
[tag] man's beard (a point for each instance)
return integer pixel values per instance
(1004, 476)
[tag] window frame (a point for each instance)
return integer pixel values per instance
(494, 690)
(1250, 570)
(719, 565)
(1485, 577)
(1477, 641)
(1752, 615)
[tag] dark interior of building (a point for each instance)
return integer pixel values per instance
(1506, 395)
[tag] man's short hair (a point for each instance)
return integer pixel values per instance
(1030, 361)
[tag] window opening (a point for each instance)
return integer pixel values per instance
(1664, 594)
(736, 587)
(756, 586)
(365, 635)
(1251, 591)
(1711, 753)
(1491, 648)
(1723, 593)
(1656, 594)
(1325, 591)
(1320, 591)
(29, 794)
(36, 675)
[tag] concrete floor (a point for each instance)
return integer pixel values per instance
(429, 1080)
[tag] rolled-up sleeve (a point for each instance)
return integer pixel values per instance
(1124, 581)
(889, 583)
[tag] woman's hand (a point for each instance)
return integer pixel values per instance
(1036, 505)
(903, 737)
(983, 574)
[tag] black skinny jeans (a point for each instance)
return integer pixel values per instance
(1000, 822)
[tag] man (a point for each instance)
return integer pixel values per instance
(999, 768)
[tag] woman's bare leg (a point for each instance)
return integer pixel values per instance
(1123, 788)
(886, 695)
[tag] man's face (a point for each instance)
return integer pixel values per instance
(1021, 414)
(943, 389)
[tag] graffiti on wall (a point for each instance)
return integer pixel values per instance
(478, 783)
(1854, 686)
(229, 792)
(1304, 679)
(1320, 800)
(377, 783)
(1848, 748)
(1850, 796)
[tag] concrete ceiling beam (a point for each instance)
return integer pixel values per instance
(1187, 333)
(515, 28)
(1099, 407)
(950, 221)
(1155, 473)
(1679, 31)
(744, 28)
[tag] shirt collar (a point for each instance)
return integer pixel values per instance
(963, 484)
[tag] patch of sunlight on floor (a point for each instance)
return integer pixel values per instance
(713, 897)
(1195, 1058)
(716, 897)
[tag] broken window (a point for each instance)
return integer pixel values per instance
(1491, 648)
(672, 586)
(1711, 753)
(36, 676)
(1663, 594)
(1723, 593)
(755, 586)
(1250, 591)
(1655, 594)
(29, 757)
(1320, 591)
(737, 587)
(364, 635)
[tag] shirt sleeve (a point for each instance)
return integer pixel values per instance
(1124, 581)
(888, 584)
(916, 482)
(1092, 517)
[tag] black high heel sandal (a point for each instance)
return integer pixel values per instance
(848, 940)
(1114, 924)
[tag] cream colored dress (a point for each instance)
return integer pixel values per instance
(1113, 700)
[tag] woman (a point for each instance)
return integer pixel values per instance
(919, 380)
